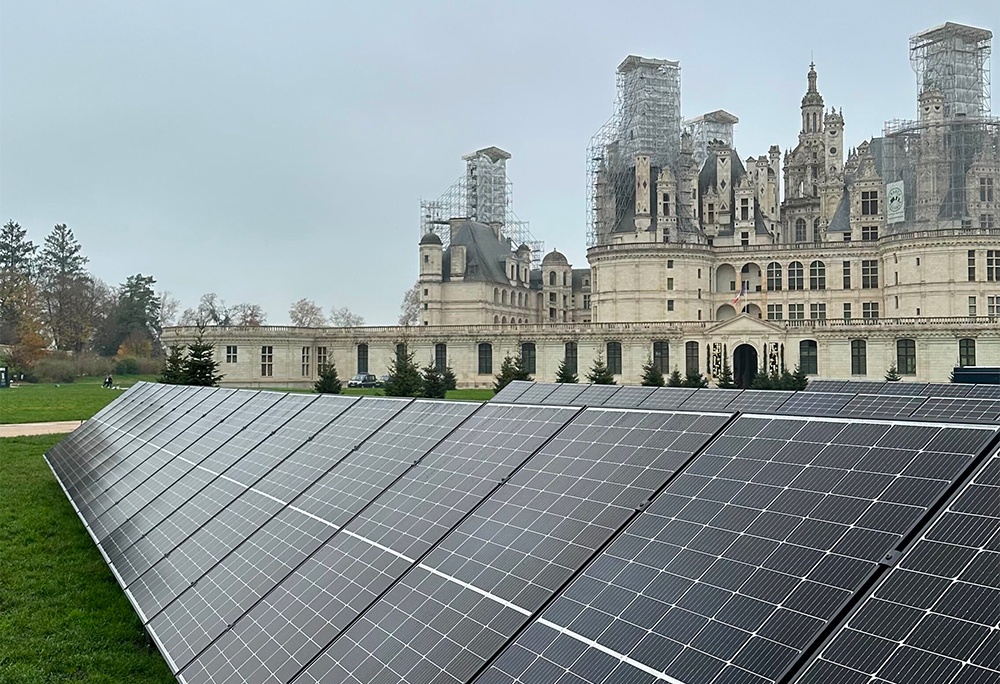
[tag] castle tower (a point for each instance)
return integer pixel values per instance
(642, 192)
(812, 107)
(932, 164)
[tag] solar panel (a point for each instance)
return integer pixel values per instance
(934, 616)
(536, 393)
(759, 401)
(814, 404)
(827, 385)
(667, 397)
(596, 395)
(487, 577)
(564, 394)
(349, 423)
(983, 392)
(881, 406)
(343, 572)
(629, 396)
(866, 386)
(741, 561)
(904, 388)
(951, 389)
(512, 391)
(959, 410)
(710, 399)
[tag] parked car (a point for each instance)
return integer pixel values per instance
(382, 380)
(363, 380)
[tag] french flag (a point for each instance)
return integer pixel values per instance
(742, 293)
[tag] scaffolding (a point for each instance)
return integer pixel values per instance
(484, 194)
(954, 59)
(647, 120)
(717, 125)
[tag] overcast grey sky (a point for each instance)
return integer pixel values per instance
(269, 151)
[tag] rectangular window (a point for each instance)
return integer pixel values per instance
(670, 263)
(986, 220)
(808, 357)
(691, 358)
(869, 233)
(321, 358)
(906, 357)
(440, 356)
(972, 306)
(670, 283)
(552, 313)
(570, 356)
(745, 210)
(552, 298)
(817, 311)
(266, 362)
(661, 356)
(869, 309)
(230, 354)
(993, 306)
(796, 312)
(847, 275)
(615, 357)
(528, 357)
(966, 353)
(869, 202)
(774, 312)
(711, 213)
(670, 305)
(362, 358)
(485, 358)
(847, 311)
(869, 274)
(586, 301)
(993, 265)
(847, 237)
(972, 265)
(986, 189)
(745, 239)
(306, 356)
(859, 357)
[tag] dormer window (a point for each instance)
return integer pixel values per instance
(711, 213)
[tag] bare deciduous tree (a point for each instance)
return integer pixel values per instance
(306, 313)
(409, 309)
(169, 306)
(248, 314)
(345, 318)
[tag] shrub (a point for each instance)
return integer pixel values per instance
(128, 365)
(54, 369)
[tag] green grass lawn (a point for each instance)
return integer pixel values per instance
(30, 403)
(63, 618)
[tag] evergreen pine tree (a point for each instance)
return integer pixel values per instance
(599, 373)
(435, 385)
(565, 374)
(675, 379)
(762, 380)
(173, 368)
(328, 382)
(695, 379)
(799, 380)
(450, 381)
(652, 376)
(404, 378)
(511, 369)
(200, 367)
(725, 380)
(892, 375)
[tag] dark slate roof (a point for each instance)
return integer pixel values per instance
(841, 221)
(709, 175)
(759, 224)
(578, 275)
(430, 239)
(555, 257)
(625, 191)
(485, 255)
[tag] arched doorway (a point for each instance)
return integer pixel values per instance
(744, 365)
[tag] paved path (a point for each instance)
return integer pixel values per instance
(21, 429)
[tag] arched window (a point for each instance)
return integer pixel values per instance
(795, 276)
(808, 361)
(496, 296)
(906, 357)
(503, 297)
(817, 275)
(552, 278)
(441, 356)
(661, 356)
(800, 230)
(528, 357)
(859, 357)
(615, 357)
(503, 320)
(967, 352)
(817, 233)
(496, 320)
(570, 356)
(362, 358)
(691, 358)
(774, 276)
(485, 358)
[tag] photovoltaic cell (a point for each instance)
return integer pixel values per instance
(983, 392)
(959, 410)
(536, 393)
(759, 401)
(373, 549)
(350, 570)
(513, 390)
(667, 397)
(492, 572)
(827, 385)
(866, 386)
(629, 396)
(952, 389)
(596, 395)
(881, 406)
(934, 616)
(564, 394)
(740, 562)
(814, 404)
(904, 388)
(707, 399)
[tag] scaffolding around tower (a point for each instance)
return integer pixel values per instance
(484, 194)
(647, 120)
(954, 59)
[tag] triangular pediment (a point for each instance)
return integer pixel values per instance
(744, 324)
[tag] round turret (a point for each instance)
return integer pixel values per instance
(555, 258)
(430, 239)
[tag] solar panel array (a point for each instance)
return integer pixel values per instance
(560, 533)
(861, 399)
